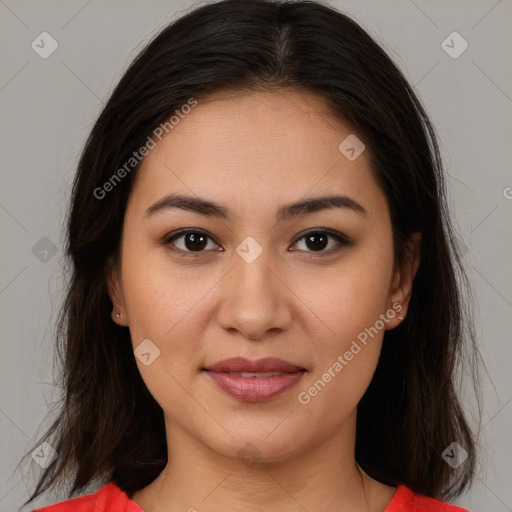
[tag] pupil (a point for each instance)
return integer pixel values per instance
(198, 241)
(321, 245)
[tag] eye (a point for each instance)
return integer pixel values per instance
(194, 241)
(318, 240)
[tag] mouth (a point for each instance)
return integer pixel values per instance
(254, 381)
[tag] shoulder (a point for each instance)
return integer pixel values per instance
(406, 500)
(109, 498)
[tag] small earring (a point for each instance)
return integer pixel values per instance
(117, 314)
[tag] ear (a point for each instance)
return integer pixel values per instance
(115, 293)
(402, 280)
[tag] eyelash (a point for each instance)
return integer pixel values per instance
(343, 240)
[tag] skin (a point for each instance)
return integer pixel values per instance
(253, 153)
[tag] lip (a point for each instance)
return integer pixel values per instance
(254, 389)
(266, 364)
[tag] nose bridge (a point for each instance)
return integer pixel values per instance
(257, 276)
(253, 272)
(253, 263)
(254, 299)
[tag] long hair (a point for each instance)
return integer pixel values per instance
(109, 427)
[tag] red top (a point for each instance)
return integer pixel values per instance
(110, 498)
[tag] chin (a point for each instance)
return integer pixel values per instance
(256, 447)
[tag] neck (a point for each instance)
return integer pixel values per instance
(321, 477)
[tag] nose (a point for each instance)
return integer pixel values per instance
(254, 300)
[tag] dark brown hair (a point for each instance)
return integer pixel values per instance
(109, 427)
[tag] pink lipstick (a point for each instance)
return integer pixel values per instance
(254, 381)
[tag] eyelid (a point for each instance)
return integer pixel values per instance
(335, 234)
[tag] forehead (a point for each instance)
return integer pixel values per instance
(256, 148)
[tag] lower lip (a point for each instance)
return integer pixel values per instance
(254, 389)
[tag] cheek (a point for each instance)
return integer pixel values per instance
(159, 291)
(165, 308)
(162, 304)
(347, 348)
(348, 300)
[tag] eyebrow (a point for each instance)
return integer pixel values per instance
(211, 209)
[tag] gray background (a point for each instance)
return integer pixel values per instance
(49, 105)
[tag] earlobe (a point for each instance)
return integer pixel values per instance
(118, 313)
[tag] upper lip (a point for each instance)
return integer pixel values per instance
(266, 364)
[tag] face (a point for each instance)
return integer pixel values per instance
(314, 286)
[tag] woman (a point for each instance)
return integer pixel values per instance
(264, 308)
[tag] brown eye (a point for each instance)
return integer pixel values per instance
(192, 241)
(317, 241)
